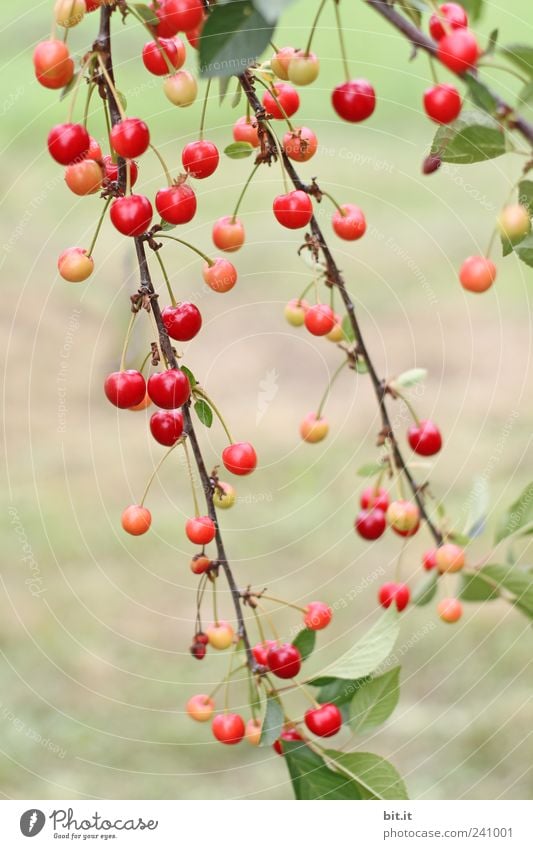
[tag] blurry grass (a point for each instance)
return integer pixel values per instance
(98, 663)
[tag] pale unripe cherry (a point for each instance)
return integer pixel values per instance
(280, 62)
(514, 222)
(252, 732)
(224, 496)
(200, 707)
(220, 635)
(228, 234)
(303, 68)
(313, 429)
(403, 517)
(84, 178)
(181, 88)
(69, 13)
(450, 609)
(74, 265)
(450, 557)
(337, 334)
(295, 311)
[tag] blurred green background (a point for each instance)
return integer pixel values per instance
(94, 634)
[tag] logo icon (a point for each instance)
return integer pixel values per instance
(32, 822)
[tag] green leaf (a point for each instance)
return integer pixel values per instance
(521, 55)
(165, 225)
(474, 8)
(312, 778)
(69, 86)
(375, 777)
(361, 366)
(204, 412)
(458, 538)
(473, 137)
(524, 250)
(347, 328)
(239, 150)
(518, 582)
(525, 194)
(272, 723)
(481, 95)
(374, 703)
(122, 100)
(271, 9)
(526, 93)
(507, 245)
(338, 691)
(305, 642)
(192, 380)
(223, 83)
(410, 377)
(236, 99)
(234, 36)
(519, 514)
(369, 470)
(412, 10)
(148, 15)
(426, 590)
(475, 587)
(492, 43)
(479, 503)
(371, 650)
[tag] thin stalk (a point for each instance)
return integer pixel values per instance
(342, 44)
(90, 92)
(155, 471)
(191, 479)
(98, 226)
(313, 26)
(133, 316)
(166, 279)
(111, 86)
(215, 409)
(76, 89)
(328, 387)
(215, 603)
(281, 601)
(221, 683)
(243, 192)
(259, 626)
(270, 623)
(204, 108)
(163, 164)
(209, 261)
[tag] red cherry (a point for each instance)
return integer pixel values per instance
(95, 151)
(317, 615)
(261, 650)
(193, 35)
(131, 215)
(92, 5)
(284, 660)
(245, 129)
(228, 234)
(372, 497)
(200, 158)
(293, 210)
(221, 275)
(125, 388)
(442, 103)
(477, 274)
(301, 144)
(454, 17)
(200, 530)
(166, 426)
(459, 50)
(324, 721)
(136, 520)
(424, 438)
(289, 734)
(176, 204)
(68, 143)
(111, 169)
(153, 56)
(169, 389)
(200, 564)
(350, 224)
(85, 177)
(288, 98)
(239, 458)
(183, 321)
(228, 728)
(184, 15)
(53, 65)
(354, 100)
(429, 559)
(198, 651)
(370, 524)
(398, 593)
(450, 609)
(130, 137)
(319, 319)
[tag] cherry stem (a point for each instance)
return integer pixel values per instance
(409, 406)
(221, 683)
(218, 414)
(492, 239)
(398, 481)
(108, 127)
(163, 164)
(399, 561)
(204, 109)
(433, 70)
(484, 63)
(90, 93)
(170, 67)
(334, 202)
(128, 176)
(98, 227)
(166, 279)
(77, 86)
(191, 479)
(133, 316)
(313, 26)
(209, 261)
(328, 387)
(143, 364)
(259, 626)
(307, 694)
(243, 192)
(215, 603)
(342, 45)
(280, 601)
(155, 471)
(280, 156)
(305, 291)
(228, 676)
(270, 623)
(111, 87)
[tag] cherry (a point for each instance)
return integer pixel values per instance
(354, 100)
(300, 144)
(136, 519)
(202, 638)
(514, 222)
(290, 734)
(92, 5)
(200, 158)
(125, 388)
(176, 204)
(324, 721)
(68, 143)
(458, 50)
(280, 62)
(166, 426)
(454, 16)
(319, 319)
(370, 524)
(131, 215)
(253, 732)
(288, 101)
(284, 660)
(130, 137)
(183, 14)
(228, 728)
(303, 68)
(336, 334)
(224, 496)
(169, 389)
(424, 438)
(167, 26)
(201, 530)
(198, 651)
(261, 650)
(442, 103)
(181, 88)
(374, 497)
(220, 635)
(450, 557)
(313, 429)
(293, 210)
(200, 564)
(295, 312)
(182, 321)
(403, 517)
(200, 707)
(193, 35)
(221, 275)
(239, 458)
(317, 615)
(450, 609)
(111, 169)
(52, 63)
(245, 129)
(95, 151)
(429, 559)
(85, 177)
(228, 234)
(142, 405)
(75, 265)
(477, 274)
(349, 222)
(431, 163)
(154, 52)
(69, 13)
(399, 593)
